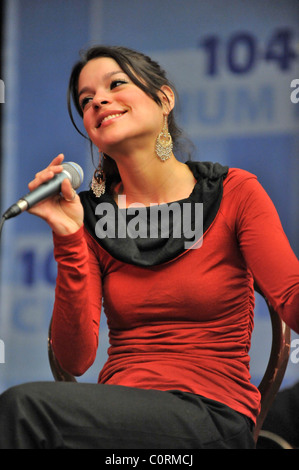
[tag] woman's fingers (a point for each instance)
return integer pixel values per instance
(63, 213)
(54, 168)
(67, 191)
(57, 160)
(48, 173)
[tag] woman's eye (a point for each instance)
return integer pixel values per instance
(117, 83)
(85, 101)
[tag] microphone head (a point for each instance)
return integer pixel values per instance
(76, 173)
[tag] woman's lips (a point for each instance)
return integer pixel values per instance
(109, 117)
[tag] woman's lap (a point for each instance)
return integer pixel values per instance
(68, 415)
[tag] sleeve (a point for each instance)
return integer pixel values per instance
(267, 251)
(77, 306)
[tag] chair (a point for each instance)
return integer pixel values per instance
(269, 385)
(277, 364)
(271, 441)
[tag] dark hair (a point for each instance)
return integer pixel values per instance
(143, 71)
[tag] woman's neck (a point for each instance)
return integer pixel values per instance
(152, 181)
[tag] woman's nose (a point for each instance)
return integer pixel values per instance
(99, 100)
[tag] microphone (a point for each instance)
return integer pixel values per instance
(71, 170)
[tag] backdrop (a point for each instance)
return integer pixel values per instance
(232, 62)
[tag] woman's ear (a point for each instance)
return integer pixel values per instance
(167, 98)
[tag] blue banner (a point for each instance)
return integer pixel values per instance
(233, 64)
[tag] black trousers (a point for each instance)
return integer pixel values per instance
(59, 415)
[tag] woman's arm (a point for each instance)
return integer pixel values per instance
(77, 308)
(267, 251)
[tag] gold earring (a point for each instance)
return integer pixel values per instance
(98, 184)
(164, 143)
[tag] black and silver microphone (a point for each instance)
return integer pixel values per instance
(71, 170)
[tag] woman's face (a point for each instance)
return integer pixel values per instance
(116, 113)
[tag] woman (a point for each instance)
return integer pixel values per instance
(180, 319)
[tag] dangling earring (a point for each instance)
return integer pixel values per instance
(164, 143)
(98, 181)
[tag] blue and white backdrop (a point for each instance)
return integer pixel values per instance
(233, 63)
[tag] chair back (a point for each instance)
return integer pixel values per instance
(277, 364)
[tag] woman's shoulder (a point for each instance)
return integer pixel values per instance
(237, 177)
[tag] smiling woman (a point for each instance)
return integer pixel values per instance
(116, 110)
(135, 68)
(180, 316)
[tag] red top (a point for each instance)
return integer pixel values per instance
(185, 324)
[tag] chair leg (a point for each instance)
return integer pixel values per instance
(269, 440)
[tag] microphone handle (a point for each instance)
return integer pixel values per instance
(39, 194)
(43, 191)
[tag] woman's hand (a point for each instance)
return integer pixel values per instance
(63, 213)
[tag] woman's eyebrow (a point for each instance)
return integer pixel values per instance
(105, 77)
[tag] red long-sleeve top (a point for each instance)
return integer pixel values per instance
(185, 324)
